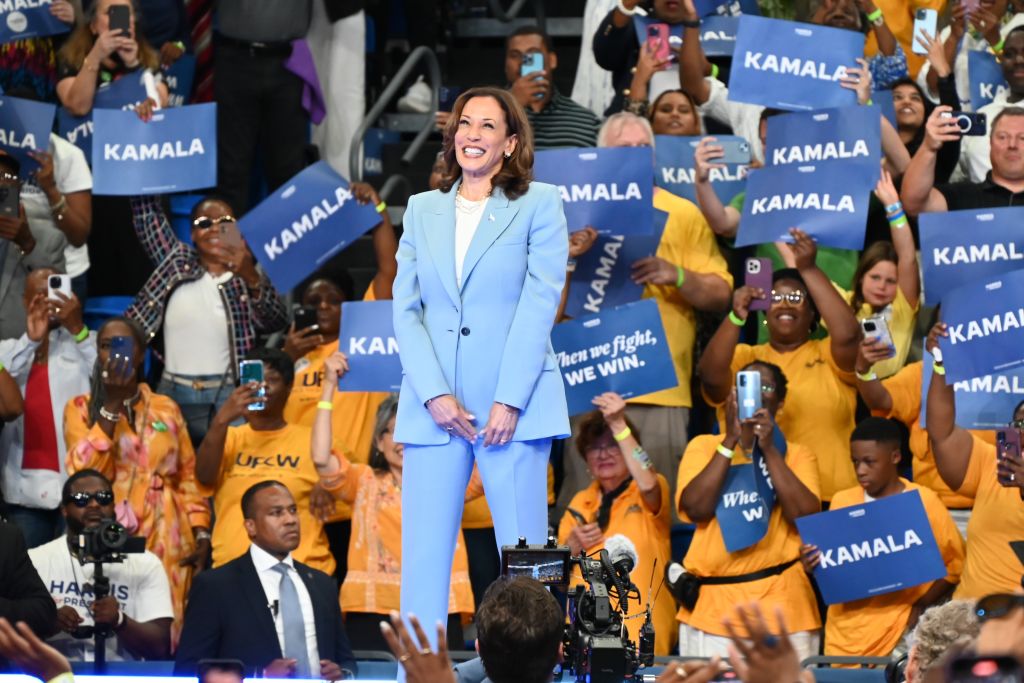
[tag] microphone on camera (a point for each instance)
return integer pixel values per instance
(621, 559)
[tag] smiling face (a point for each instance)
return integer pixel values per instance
(876, 465)
(1007, 148)
(879, 285)
(215, 211)
(482, 138)
(605, 461)
(674, 115)
(909, 105)
(790, 322)
(669, 11)
(1012, 61)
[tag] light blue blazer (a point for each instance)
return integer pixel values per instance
(490, 340)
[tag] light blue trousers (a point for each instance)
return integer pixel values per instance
(434, 480)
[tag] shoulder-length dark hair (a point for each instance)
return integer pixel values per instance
(516, 171)
(97, 389)
(877, 253)
(81, 40)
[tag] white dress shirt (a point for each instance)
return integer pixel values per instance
(467, 220)
(271, 580)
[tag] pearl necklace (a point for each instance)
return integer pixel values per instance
(469, 205)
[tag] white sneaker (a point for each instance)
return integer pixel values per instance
(416, 100)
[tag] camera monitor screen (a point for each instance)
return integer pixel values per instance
(550, 566)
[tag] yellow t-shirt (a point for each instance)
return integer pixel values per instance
(901, 319)
(354, 411)
(687, 242)
(251, 457)
(373, 581)
(872, 627)
(819, 406)
(905, 390)
(649, 531)
(998, 518)
(707, 556)
(899, 18)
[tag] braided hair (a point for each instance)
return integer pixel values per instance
(97, 389)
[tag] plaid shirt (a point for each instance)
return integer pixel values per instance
(887, 69)
(248, 312)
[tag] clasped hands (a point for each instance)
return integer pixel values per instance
(451, 416)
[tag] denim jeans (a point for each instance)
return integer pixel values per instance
(37, 525)
(198, 406)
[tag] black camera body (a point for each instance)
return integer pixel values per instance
(107, 542)
(596, 643)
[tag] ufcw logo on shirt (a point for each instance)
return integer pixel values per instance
(255, 461)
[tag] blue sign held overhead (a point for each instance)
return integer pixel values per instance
(674, 168)
(367, 337)
(958, 247)
(792, 65)
(982, 403)
(873, 548)
(21, 19)
(25, 127)
(602, 280)
(175, 151)
(819, 199)
(304, 223)
(126, 93)
(851, 134)
(728, 8)
(622, 350)
(717, 33)
(985, 77)
(985, 322)
(608, 188)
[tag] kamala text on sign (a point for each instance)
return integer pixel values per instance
(367, 337)
(25, 127)
(22, 19)
(675, 168)
(984, 402)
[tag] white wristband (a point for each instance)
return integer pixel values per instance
(630, 12)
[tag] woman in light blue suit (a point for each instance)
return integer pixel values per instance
(481, 266)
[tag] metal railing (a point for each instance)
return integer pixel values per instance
(421, 53)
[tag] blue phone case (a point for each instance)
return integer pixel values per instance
(123, 347)
(252, 371)
(748, 393)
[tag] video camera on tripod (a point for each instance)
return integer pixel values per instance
(596, 643)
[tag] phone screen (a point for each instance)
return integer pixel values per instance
(252, 371)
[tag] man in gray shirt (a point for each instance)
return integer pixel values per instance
(259, 101)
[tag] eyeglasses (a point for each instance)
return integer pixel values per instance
(767, 388)
(1016, 424)
(998, 605)
(205, 222)
(796, 297)
(81, 499)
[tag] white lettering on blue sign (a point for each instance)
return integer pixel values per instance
(793, 66)
(307, 222)
(976, 253)
(990, 91)
(9, 138)
(14, 5)
(993, 324)
(716, 175)
(802, 201)
(799, 154)
(867, 550)
(152, 151)
(368, 346)
(84, 129)
(603, 274)
(598, 192)
(991, 384)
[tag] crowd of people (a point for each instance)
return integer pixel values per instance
(254, 498)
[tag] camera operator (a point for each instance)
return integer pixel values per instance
(138, 611)
(1002, 186)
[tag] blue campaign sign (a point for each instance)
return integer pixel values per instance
(21, 19)
(601, 278)
(373, 149)
(986, 78)
(985, 322)
(883, 99)
(819, 199)
(304, 223)
(622, 350)
(742, 513)
(25, 127)
(367, 337)
(674, 168)
(985, 402)
(178, 77)
(792, 65)
(608, 188)
(124, 93)
(958, 247)
(175, 151)
(828, 136)
(873, 548)
(729, 8)
(717, 33)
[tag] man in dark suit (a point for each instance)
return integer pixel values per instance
(23, 596)
(276, 615)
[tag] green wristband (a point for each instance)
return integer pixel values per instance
(900, 222)
(680, 276)
(2, 368)
(82, 335)
(876, 15)
(714, 71)
(736, 320)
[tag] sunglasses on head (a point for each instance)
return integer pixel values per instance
(81, 499)
(998, 605)
(205, 222)
(795, 297)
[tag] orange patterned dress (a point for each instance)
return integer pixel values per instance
(152, 465)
